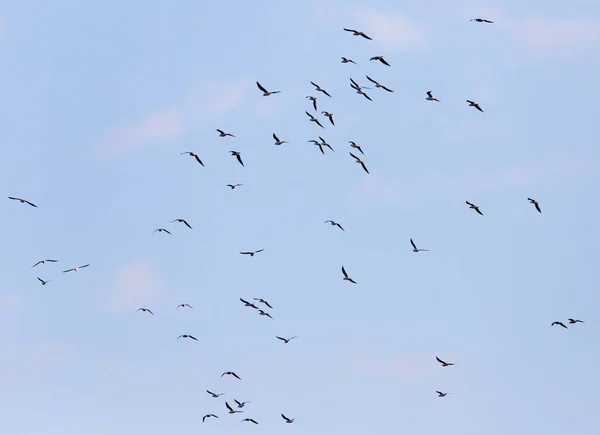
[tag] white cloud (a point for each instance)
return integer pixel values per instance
(552, 35)
(135, 286)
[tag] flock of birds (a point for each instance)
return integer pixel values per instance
(321, 144)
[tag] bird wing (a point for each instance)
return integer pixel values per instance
(383, 61)
(440, 361)
(246, 253)
(387, 89)
(342, 228)
(40, 280)
(364, 167)
(429, 94)
(325, 92)
(371, 80)
(468, 203)
(478, 211)
(198, 160)
(357, 159)
(186, 224)
(236, 376)
(309, 115)
(354, 83)
(260, 87)
(68, 270)
(315, 85)
(285, 418)
(537, 206)
(239, 158)
(413, 244)
(318, 123)
(281, 338)
(347, 30)
(275, 137)
(344, 272)
(365, 36)
(220, 131)
(228, 406)
(37, 263)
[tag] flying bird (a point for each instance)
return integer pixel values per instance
(536, 204)
(335, 224)
(208, 416)
(573, 321)
(345, 60)
(215, 395)
(288, 420)
(559, 324)
(250, 420)
(313, 119)
(314, 101)
(355, 145)
(248, 304)
(440, 394)
(223, 134)
(317, 143)
(264, 313)
(187, 336)
(474, 207)
(320, 89)
(325, 144)
(240, 404)
(330, 116)
(481, 20)
(475, 105)
(231, 410)
(194, 155)
(262, 301)
(42, 281)
(277, 141)
(231, 374)
(431, 97)
(415, 249)
(145, 310)
(75, 269)
(265, 92)
(359, 89)
(361, 163)
(378, 85)
(161, 230)
(380, 59)
(233, 186)
(183, 221)
(252, 253)
(23, 201)
(346, 277)
(184, 306)
(44, 262)
(443, 363)
(357, 33)
(238, 155)
(287, 340)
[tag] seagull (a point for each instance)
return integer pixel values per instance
(183, 221)
(231, 374)
(378, 85)
(335, 224)
(184, 306)
(288, 420)
(277, 141)
(160, 230)
(573, 321)
(537, 205)
(345, 60)
(481, 20)
(238, 155)
(317, 143)
(357, 33)
(431, 97)
(194, 155)
(252, 253)
(240, 404)
(475, 105)
(380, 59)
(233, 186)
(144, 310)
(325, 144)
(262, 301)
(320, 89)
(223, 134)
(354, 145)
(248, 304)
(314, 101)
(415, 249)
(265, 92)
(359, 89)
(215, 395)
(23, 201)
(250, 420)
(208, 416)
(361, 162)
(474, 207)
(76, 269)
(264, 313)
(443, 363)
(42, 281)
(187, 336)
(44, 262)
(231, 410)
(313, 119)
(287, 340)
(559, 324)
(346, 277)
(330, 116)
(440, 394)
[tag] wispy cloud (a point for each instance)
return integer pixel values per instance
(557, 35)
(135, 286)
(405, 367)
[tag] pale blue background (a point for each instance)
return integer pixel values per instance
(98, 100)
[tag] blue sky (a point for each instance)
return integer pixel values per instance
(99, 100)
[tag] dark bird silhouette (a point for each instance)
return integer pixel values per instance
(248, 304)
(231, 374)
(346, 277)
(183, 221)
(208, 416)
(559, 324)
(361, 163)
(215, 395)
(325, 144)
(75, 269)
(431, 97)
(380, 59)
(251, 253)
(573, 321)
(277, 141)
(481, 20)
(145, 310)
(262, 301)
(223, 134)
(378, 85)
(194, 155)
(474, 207)
(320, 89)
(345, 60)
(238, 155)
(415, 249)
(161, 230)
(240, 404)
(184, 306)
(536, 204)
(440, 394)
(44, 262)
(187, 336)
(250, 420)
(475, 105)
(265, 92)
(287, 340)
(42, 281)
(330, 116)
(313, 119)
(358, 33)
(314, 101)
(288, 420)
(22, 201)
(233, 186)
(317, 143)
(335, 224)
(355, 145)
(359, 89)
(231, 410)
(444, 363)
(264, 313)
